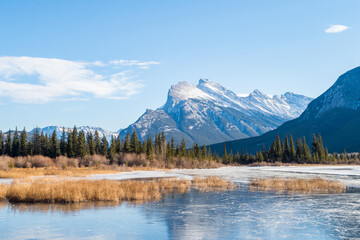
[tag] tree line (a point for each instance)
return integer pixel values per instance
(77, 144)
(289, 152)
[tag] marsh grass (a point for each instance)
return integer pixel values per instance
(314, 185)
(212, 184)
(58, 190)
(70, 172)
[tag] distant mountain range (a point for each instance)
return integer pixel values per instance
(209, 113)
(335, 115)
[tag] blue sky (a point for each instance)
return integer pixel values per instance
(103, 63)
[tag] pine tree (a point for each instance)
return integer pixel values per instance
(279, 149)
(44, 144)
(150, 149)
(36, 142)
(8, 144)
(97, 143)
(15, 144)
(134, 143)
(287, 152)
(2, 146)
(112, 150)
(225, 156)
(127, 147)
(81, 145)
(292, 149)
(104, 146)
(54, 146)
(75, 142)
(91, 143)
(63, 142)
(306, 151)
(23, 143)
(70, 145)
(299, 151)
(261, 157)
(118, 144)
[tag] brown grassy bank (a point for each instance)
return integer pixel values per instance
(315, 185)
(72, 191)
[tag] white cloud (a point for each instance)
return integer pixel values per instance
(336, 28)
(143, 65)
(48, 79)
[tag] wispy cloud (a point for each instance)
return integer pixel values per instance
(39, 80)
(336, 28)
(143, 65)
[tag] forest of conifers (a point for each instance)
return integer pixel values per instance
(77, 144)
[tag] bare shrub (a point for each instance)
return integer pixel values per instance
(131, 159)
(5, 162)
(64, 162)
(93, 161)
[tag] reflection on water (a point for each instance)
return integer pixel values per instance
(240, 214)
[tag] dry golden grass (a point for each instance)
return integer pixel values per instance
(314, 185)
(212, 183)
(70, 172)
(72, 191)
(57, 190)
(3, 190)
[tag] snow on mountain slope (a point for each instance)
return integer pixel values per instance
(102, 132)
(209, 113)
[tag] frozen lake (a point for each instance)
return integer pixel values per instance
(239, 214)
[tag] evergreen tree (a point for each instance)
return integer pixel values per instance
(104, 146)
(36, 142)
(63, 142)
(54, 146)
(8, 144)
(287, 151)
(15, 144)
(75, 142)
(118, 144)
(23, 148)
(70, 145)
(225, 156)
(112, 150)
(279, 149)
(150, 149)
(127, 147)
(81, 145)
(97, 143)
(44, 144)
(292, 149)
(134, 143)
(91, 143)
(306, 151)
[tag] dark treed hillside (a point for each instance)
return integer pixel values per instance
(335, 115)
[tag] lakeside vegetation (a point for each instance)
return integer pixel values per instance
(314, 185)
(76, 149)
(75, 191)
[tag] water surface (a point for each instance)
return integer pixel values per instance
(239, 214)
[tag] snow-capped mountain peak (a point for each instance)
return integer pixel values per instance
(209, 113)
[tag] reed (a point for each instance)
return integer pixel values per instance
(212, 183)
(314, 185)
(70, 172)
(58, 190)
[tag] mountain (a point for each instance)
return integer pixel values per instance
(209, 113)
(50, 129)
(335, 115)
